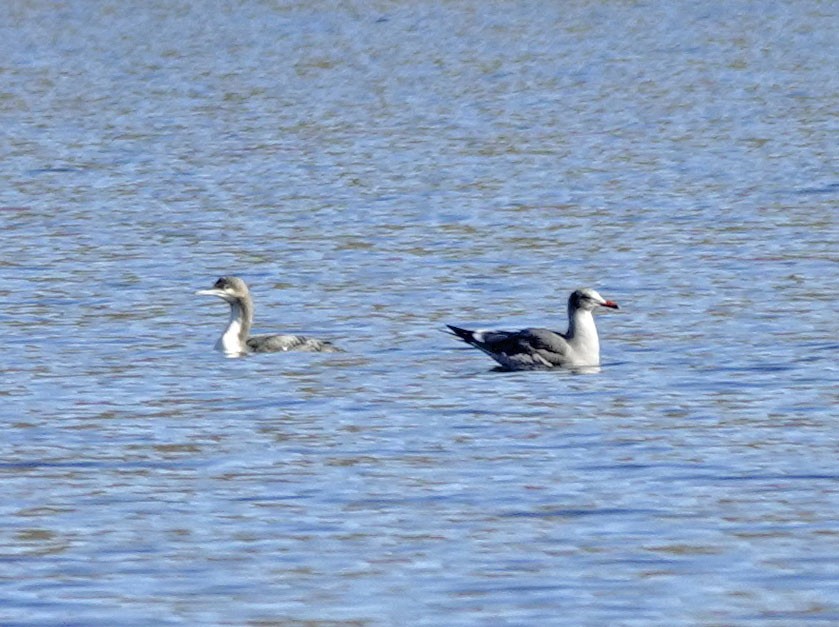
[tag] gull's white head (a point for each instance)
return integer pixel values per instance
(588, 299)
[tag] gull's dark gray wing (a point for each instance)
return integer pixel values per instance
(528, 349)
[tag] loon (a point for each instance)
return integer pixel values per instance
(236, 339)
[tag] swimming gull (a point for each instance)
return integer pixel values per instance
(538, 349)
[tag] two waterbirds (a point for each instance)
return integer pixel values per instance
(525, 349)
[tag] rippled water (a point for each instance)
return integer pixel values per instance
(375, 170)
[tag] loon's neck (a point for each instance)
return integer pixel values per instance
(234, 339)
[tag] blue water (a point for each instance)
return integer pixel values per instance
(375, 170)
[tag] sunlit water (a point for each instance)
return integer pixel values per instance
(375, 170)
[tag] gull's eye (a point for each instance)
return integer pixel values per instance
(220, 284)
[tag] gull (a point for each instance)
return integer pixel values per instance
(538, 349)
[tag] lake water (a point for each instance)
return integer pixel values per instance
(375, 170)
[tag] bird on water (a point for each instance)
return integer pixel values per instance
(236, 339)
(539, 349)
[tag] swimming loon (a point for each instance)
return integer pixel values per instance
(236, 339)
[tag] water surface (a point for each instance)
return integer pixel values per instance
(375, 170)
